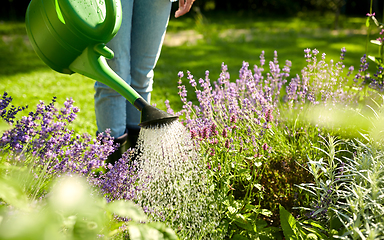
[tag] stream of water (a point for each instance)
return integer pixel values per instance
(176, 181)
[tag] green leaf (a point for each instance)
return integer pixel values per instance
(266, 212)
(288, 223)
(258, 164)
(241, 222)
(375, 21)
(239, 237)
(248, 177)
(164, 229)
(367, 22)
(257, 210)
(244, 171)
(127, 209)
(260, 224)
(372, 58)
(311, 236)
(150, 231)
(13, 194)
(251, 207)
(232, 210)
(258, 186)
(314, 224)
(270, 233)
(376, 42)
(141, 232)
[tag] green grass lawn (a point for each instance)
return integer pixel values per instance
(227, 38)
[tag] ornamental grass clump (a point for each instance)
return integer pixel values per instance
(347, 192)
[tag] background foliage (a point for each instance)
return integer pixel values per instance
(15, 9)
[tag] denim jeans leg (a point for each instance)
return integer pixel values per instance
(149, 24)
(137, 48)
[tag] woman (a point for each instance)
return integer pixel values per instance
(137, 47)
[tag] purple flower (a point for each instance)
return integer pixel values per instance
(350, 70)
(213, 130)
(45, 135)
(343, 51)
(225, 133)
(268, 115)
(307, 54)
(209, 165)
(205, 133)
(120, 182)
(265, 147)
(262, 59)
(212, 153)
(227, 143)
(7, 111)
(233, 119)
(191, 80)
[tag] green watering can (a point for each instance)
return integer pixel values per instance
(70, 36)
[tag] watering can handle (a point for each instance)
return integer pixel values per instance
(102, 32)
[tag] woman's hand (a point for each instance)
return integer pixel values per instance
(184, 7)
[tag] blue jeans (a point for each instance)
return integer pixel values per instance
(137, 47)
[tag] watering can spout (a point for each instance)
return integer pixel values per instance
(151, 116)
(92, 63)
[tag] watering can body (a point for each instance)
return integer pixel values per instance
(70, 36)
(60, 30)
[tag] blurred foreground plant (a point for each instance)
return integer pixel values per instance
(71, 211)
(40, 149)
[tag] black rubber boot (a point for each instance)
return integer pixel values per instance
(123, 146)
(133, 135)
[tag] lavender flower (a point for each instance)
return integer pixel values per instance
(119, 183)
(322, 83)
(307, 54)
(343, 51)
(45, 134)
(262, 59)
(191, 80)
(6, 114)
